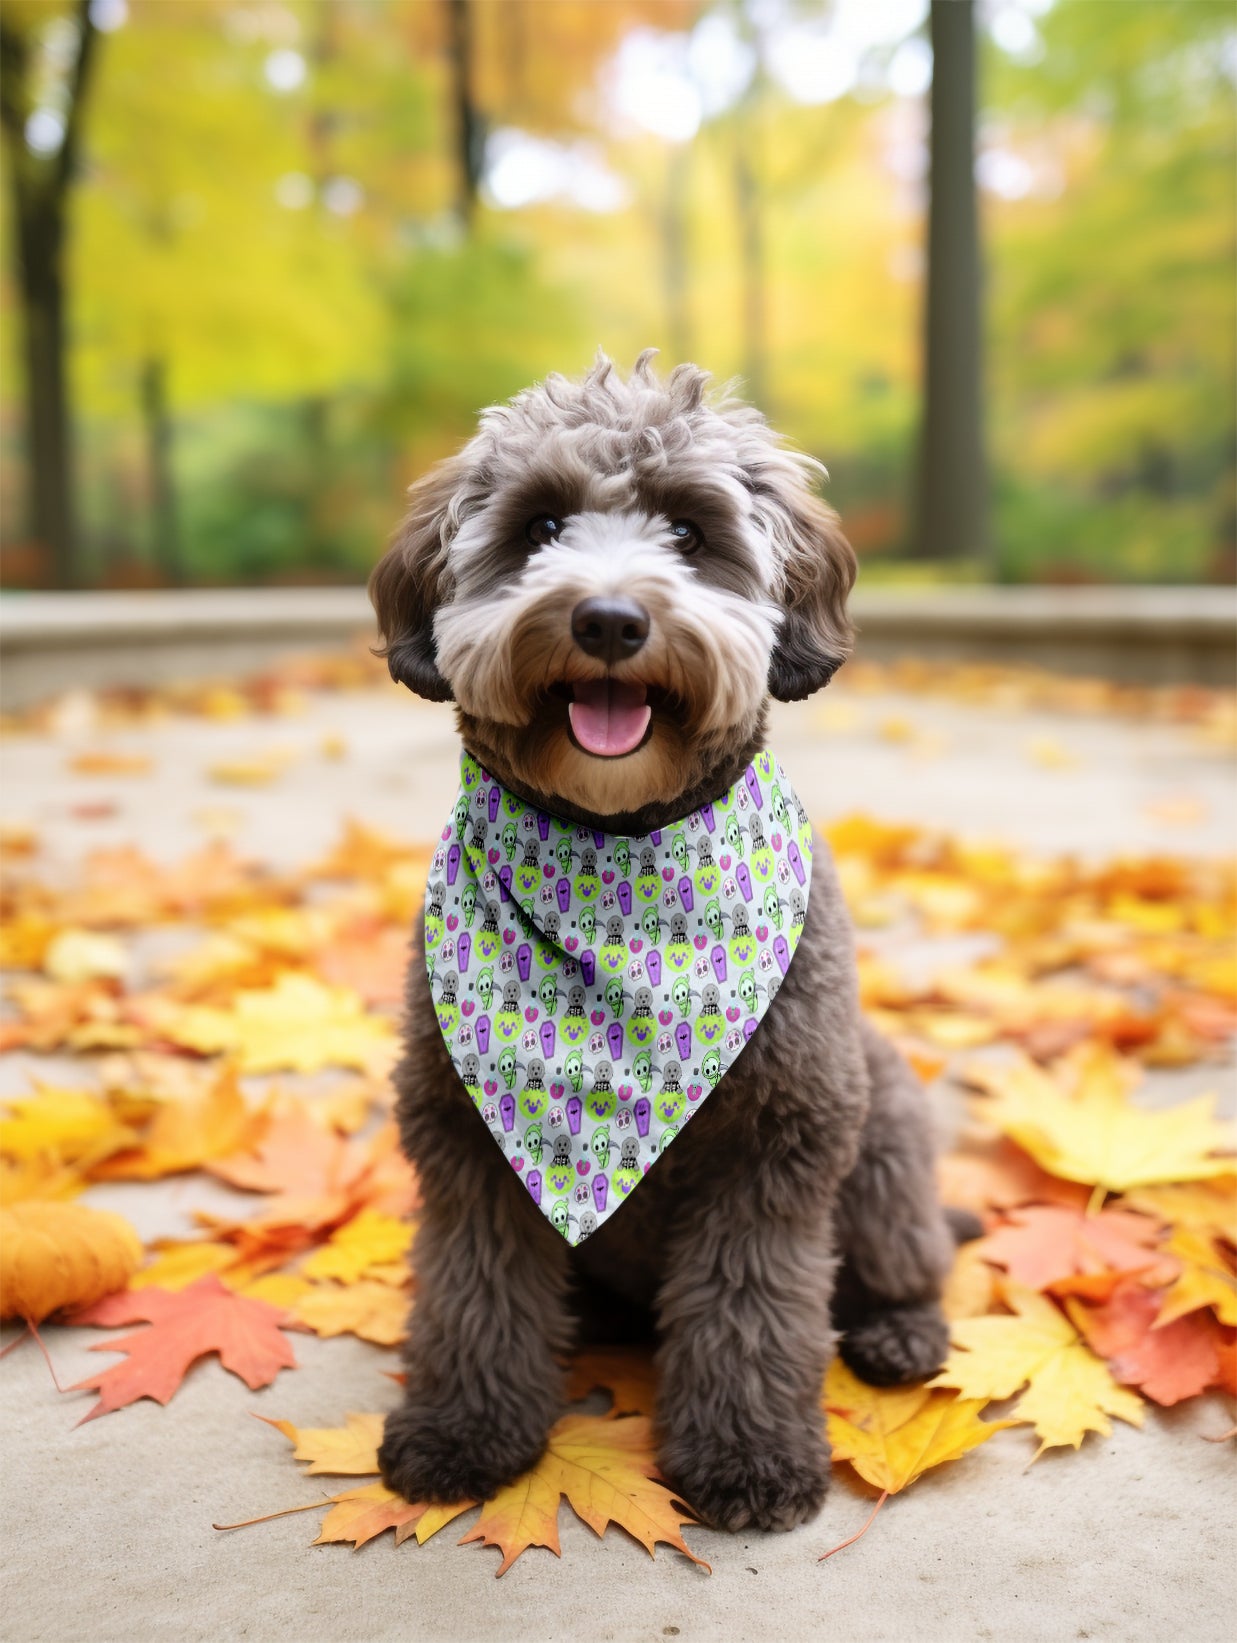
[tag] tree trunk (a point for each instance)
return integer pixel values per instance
(952, 501)
(164, 516)
(469, 125)
(40, 195)
(50, 495)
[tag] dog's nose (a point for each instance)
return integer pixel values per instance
(609, 628)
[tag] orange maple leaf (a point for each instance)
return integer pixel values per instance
(188, 1325)
(625, 1372)
(1048, 1247)
(312, 1173)
(607, 1470)
(1178, 1360)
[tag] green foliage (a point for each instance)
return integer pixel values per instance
(329, 327)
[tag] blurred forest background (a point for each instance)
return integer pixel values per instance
(287, 248)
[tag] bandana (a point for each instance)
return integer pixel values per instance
(592, 989)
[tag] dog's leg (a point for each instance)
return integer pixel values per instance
(488, 1326)
(896, 1242)
(745, 1327)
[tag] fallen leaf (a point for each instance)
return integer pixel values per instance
(1092, 1134)
(177, 1265)
(350, 1450)
(971, 1285)
(297, 1024)
(1046, 1247)
(185, 1134)
(359, 1515)
(607, 1471)
(1000, 1175)
(1070, 1391)
(69, 1126)
(367, 1242)
(54, 1256)
(1208, 1206)
(1206, 1279)
(1168, 1363)
(625, 1372)
(313, 1174)
(890, 1454)
(199, 1320)
(376, 1312)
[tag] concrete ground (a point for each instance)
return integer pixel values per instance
(107, 1528)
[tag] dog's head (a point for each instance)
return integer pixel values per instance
(610, 579)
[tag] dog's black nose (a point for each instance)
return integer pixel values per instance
(609, 628)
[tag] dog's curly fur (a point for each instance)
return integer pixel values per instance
(800, 1199)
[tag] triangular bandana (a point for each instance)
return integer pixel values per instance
(592, 988)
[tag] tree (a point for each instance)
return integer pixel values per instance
(42, 177)
(951, 516)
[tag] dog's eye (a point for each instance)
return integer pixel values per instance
(542, 530)
(687, 537)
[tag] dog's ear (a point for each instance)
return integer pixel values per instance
(405, 587)
(818, 573)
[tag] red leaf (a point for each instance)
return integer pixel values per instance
(1050, 1247)
(187, 1325)
(1176, 1361)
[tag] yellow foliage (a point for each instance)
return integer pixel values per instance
(607, 1471)
(350, 1450)
(371, 1244)
(1070, 1391)
(1092, 1134)
(376, 1312)
(1206, 1278)
(298, 1023)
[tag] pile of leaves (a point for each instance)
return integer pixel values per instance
(236, 1023)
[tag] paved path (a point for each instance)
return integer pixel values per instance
(106, 1528)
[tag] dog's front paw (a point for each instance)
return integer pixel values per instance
(455, 1454)
(896, 1345)
(756, 1488)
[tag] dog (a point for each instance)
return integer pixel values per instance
(610, 581)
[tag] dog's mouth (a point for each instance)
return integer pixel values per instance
(608, 717)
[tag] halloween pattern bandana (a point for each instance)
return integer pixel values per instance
(593, 989)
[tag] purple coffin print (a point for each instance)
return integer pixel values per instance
(577, 1040)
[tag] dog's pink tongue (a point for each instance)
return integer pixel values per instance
(608, 716)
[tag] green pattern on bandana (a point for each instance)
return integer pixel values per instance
(592, 989)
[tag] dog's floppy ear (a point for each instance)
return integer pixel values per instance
(405, 586)
(818, 573)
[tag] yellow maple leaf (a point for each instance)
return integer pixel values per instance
(350, 1450)
(1091, 1133)
(61, 1255)
(372, 1244)
(608, 1472)
(69, 1126)
(183, 1134)
(375, 1311)
(1070, 1391)
(358, 1515)
(1209, 1206)
(944, 1429)
(176, 1265)
(1206, 1279)
(281, 1289)
(298, 1024)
